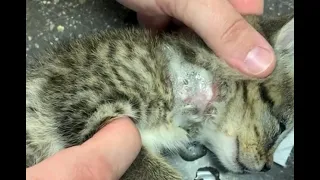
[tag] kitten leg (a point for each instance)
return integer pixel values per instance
(148, 166)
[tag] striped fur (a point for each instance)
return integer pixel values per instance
(81, 85)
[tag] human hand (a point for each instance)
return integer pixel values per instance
(106, 156)
(219, 24)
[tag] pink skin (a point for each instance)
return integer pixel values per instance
(215, 93)
(201, 98)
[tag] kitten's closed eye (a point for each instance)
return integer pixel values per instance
(282, 127)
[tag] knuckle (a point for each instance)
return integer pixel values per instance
(235, 31)
(86, 171)
(177, 9)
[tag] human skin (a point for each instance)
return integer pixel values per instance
(219, 24)
(95, 159)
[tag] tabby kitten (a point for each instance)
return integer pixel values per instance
(172, 86)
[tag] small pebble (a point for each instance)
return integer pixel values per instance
(51, 26)
(60, 28)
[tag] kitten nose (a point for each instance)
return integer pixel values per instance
(265, 168)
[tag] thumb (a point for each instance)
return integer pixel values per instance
(227, 33)
(115, 145)
(107, 155)
(223, 29)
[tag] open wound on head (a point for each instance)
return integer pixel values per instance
(202, 97)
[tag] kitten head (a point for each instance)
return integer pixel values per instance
(254, 116)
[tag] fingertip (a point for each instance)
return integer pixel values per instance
(116, 145)
(121, 130)
(123, 124)
(268, 71)
(259, 62)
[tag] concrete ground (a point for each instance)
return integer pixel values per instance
(50, 21)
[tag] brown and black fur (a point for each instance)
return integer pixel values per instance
(79, 86)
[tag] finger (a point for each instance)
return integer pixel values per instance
(147, 7)
(248, 6)
(149, 14)
(152, 17)
(226, 32)
(159, 22)
(116, 145)
(71, 163)
(107, 155)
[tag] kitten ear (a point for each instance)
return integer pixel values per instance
(284, 38)
(283, 44)
(272, 25)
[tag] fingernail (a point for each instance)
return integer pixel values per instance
(258, 60)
